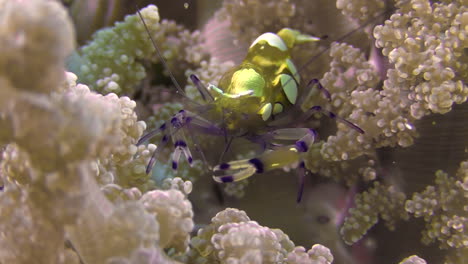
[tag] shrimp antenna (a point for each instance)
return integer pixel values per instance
(163, 61)
(343, 37)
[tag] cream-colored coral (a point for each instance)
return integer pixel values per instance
(82, 125)
(23, 224)
(266, 15)
(349, 73)
(117, 194)
(59, 184)
(318, 254)
(26, 52)
(55, 140)
(128, 233)
(177, 184)
(444, 209)
(413, 260)
(174, 213)
(352, 81)
(429, 75)
(51, 136)
(112, 61)
(319, 17)
(202, 241)
(233, 238)
(315, 17)
(102, 235)
(425, 41)
(246, 242)
(129, 173)
(361, 10)
(125, 163)
(381, 201)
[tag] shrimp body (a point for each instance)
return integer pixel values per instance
(264, 85)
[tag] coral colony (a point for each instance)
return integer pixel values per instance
(74, 181)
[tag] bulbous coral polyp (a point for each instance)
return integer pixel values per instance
(35, 38)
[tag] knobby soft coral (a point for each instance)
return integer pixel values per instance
(444, 209)
(413, 260)
(384, 201)
(233, 238)
(361, 10)
(26, 52)
(352, 82)
(127, 228)
(202, 241)
(174, 214)
(317, 17)
(318, 254)
(246, 242)
(426, 42)
(429, 75)
(55, 132)
(51, 170)
(112, 61)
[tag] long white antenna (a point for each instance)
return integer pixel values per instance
(158, 51)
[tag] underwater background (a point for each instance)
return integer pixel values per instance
(81, 83)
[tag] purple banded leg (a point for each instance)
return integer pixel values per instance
(158, 149)
(242, 169)
(322, 89)
(205, 94)
(174, 129)
(151, 134)
(180, 147)
(195, 122)
(234, 171)
(178, 122)
(303, 144)
(318, 108)
(170, 130)
(200, 124)
(181, 121)
(301, 172)
(309, 91)
(304, 137)
(160, 146)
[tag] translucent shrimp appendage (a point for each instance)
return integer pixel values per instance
(175, 129)
(205, 94)
(332, 115)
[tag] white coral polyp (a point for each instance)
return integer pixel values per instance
(174, 213)
(318, 254)
(413, 260)
(247, 242)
